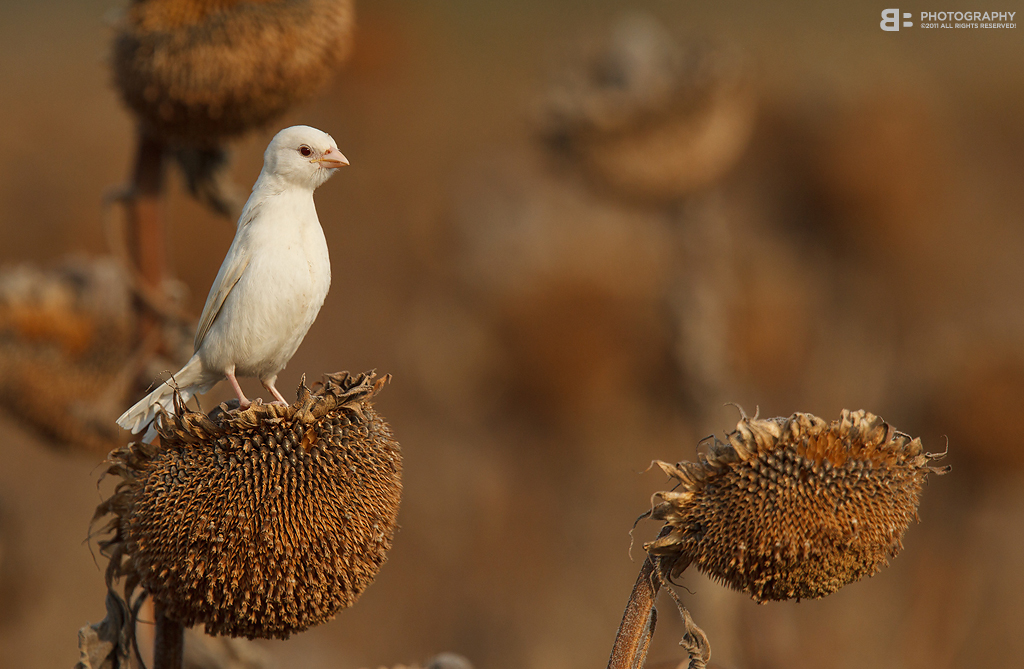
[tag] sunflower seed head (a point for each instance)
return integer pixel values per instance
(792, 508)
(263, 522)
(650, 116)
(65, 333)
(199, 72)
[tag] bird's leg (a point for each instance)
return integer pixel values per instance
(269, 385)
(243, 402)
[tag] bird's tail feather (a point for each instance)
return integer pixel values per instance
(188, 381)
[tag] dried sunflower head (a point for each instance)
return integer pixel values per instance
(793, 507)
(263, 522)
(202, 71)
(66, 341)
(649, 117)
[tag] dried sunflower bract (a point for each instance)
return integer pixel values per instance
(262, 522)
(791, 508)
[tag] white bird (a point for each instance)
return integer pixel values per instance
(271, 285)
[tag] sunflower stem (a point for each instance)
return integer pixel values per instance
(145, 229)
(169, 642)
(639, 619)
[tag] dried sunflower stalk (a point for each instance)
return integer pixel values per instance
(792, 508)
(258, 523)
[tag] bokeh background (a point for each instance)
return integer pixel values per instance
(549, 337)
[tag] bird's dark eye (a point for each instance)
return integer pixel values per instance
(305, 151)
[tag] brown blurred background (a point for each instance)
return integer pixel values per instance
(549, 336)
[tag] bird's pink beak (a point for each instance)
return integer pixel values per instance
(333, 159)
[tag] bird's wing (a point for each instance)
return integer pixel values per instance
(230, 272)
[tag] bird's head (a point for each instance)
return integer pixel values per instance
(302, 156)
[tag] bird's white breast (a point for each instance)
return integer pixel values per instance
(278, 296)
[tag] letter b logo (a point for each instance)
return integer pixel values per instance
(891, 19)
